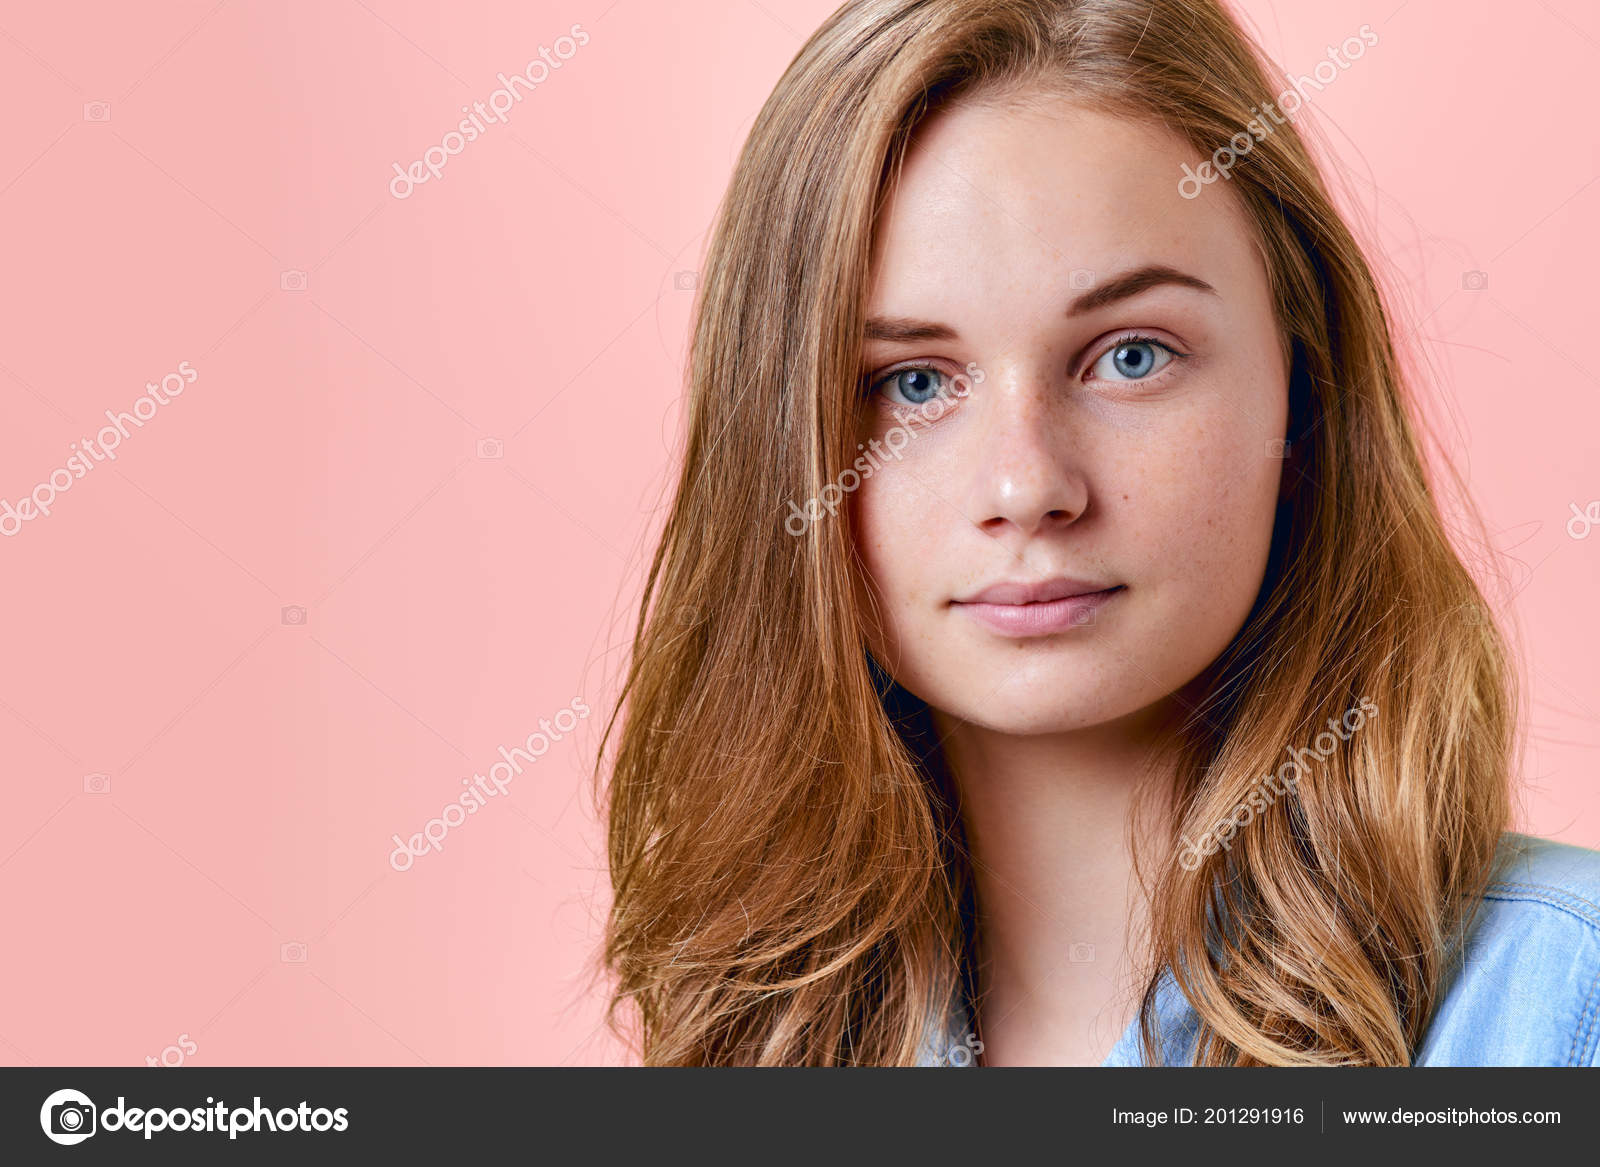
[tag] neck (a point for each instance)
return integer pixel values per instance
(1049, 821)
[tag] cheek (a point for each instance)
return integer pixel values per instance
(889, 527)
(1206, 511)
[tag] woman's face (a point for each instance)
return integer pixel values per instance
(1116, 429)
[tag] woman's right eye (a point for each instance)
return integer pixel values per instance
(912, 385)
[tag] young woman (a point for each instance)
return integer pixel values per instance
(1054, 653)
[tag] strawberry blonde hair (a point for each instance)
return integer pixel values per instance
(790, 882)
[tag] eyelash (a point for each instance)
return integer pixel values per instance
(872, 384)
(1136, 337)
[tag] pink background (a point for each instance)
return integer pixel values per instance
(328, 457)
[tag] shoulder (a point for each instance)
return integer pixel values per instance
(1546, 890)
(1525, 988)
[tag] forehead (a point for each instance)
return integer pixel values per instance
(1042, 188)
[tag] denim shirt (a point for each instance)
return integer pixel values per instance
(1525, 990)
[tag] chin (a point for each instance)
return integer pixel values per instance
(1035, 721)
(1042, 698)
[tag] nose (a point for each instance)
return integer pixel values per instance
(1027, 477)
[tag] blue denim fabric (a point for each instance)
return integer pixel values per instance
(1525, 992)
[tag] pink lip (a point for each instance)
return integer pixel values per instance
(1037, 609)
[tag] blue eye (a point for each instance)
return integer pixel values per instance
(1132, 360)
(916, 385)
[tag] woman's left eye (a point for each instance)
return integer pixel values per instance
(1132, 360)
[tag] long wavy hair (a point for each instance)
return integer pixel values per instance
(789, 874)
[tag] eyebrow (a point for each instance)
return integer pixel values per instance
(1132, 283)
(902, 328)
(1114, 290)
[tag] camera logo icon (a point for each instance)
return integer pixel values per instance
(1277, 448)
(293, 280)
(97, 784)
(294, 614)
(1083, 616)
(685, 281)
(1081, 953)
(68, 1117)
(1080, 278)
(292, 952)
(490, 449)
(97, 111)
(1474, 281)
